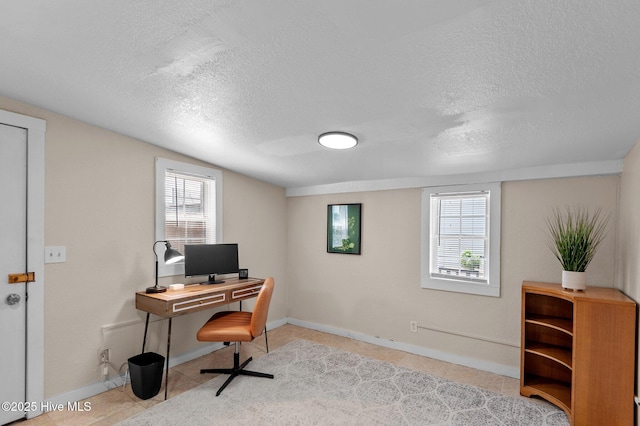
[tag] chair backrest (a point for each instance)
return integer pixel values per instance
(261, 308)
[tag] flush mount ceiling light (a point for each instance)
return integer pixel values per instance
(337, 140)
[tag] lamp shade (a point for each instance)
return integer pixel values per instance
(172, 255)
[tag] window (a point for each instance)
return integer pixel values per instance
(188, 208)
(461, 238)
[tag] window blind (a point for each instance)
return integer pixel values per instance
(460, 236)
(189, 209)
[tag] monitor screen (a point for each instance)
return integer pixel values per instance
(210, 259)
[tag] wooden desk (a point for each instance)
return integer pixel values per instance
(193, 298)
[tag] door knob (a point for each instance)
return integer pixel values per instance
(12, 299)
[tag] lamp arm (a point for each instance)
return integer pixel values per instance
(154, 248)
(156, 255)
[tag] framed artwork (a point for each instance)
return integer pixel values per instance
(343, 228)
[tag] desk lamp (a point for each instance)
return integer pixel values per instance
(171, 255)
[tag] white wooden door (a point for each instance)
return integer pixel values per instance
(13, 246)
(21, 251)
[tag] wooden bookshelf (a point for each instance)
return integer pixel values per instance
(578, 351)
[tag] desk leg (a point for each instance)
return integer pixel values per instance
(166, 377)
(146, 327)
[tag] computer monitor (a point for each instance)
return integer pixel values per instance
(210, 259)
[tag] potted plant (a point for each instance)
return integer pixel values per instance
(575, 236)
(469, 260)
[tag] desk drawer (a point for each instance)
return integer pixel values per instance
(250, 290)
(198, 303)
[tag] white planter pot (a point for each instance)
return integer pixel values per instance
(574, 280)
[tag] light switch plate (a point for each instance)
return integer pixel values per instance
(55, 254)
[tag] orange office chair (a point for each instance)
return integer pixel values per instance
(238, 326)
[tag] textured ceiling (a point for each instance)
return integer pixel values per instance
(430, 88)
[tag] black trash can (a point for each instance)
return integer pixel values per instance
(145, 371)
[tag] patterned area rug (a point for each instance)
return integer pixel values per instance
(319, 385)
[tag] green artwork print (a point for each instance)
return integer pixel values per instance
(343, 228)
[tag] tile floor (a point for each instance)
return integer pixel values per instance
(117, 404)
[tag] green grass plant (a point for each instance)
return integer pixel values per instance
(575, 235)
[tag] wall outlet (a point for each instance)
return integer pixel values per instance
(104, 362)
(413, 326)
(104, 356)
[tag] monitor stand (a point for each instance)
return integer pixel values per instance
(212, 280)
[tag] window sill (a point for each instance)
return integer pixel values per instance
(457, 286)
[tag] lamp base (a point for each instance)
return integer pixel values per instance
(158, 289)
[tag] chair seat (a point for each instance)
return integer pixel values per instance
(227, 326)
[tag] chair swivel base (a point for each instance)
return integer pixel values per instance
(237, 370)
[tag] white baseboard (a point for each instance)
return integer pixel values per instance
(118, 380)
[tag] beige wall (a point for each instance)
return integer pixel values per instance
(629, 235)
(99, 200)
(378, 293)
